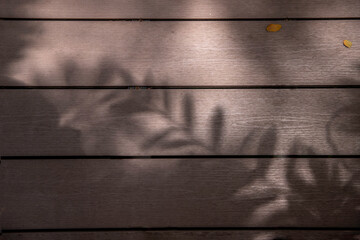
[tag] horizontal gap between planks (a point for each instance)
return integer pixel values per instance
(181, 87)
(181, 229)
(170, 157)
(179, 19)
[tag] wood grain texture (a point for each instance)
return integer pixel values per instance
(190, 235)
(180, 53)
(279, 192)
(182, 9)
(178, 122)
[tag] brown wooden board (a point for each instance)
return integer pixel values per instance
(184, 9)
(148, 193)
(175, 53)
(179, 122)
(190, 235)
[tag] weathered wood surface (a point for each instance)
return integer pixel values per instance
(180, 53)
(208, 9)
(189, 235)
(278, 192)
(178, 122)
(50, 194)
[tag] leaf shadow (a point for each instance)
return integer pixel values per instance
(217, 126)
(346, 119)
(247, 186)
(322, 190)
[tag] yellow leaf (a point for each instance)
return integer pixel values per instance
(347, 43)
(273, 27)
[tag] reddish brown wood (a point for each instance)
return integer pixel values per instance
(203, 9)
(68, 194)
(175, 53)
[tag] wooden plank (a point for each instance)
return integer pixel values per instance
(159, 9)
(190, 235)
(160, 193)
(177, 122)
(180, 53)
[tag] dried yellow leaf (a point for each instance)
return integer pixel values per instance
(347, 43)
(273, 27)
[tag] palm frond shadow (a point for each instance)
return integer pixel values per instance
(322, 191)
(319, 192)
(129, 112)
(181, 134)
(251, 185)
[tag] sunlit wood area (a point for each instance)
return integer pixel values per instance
(189, 119)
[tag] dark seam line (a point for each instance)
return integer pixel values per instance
(179, 87)
(182, 229)
(170, 157)
(181, 19)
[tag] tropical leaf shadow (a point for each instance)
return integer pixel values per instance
(217, 126)
(322, 191)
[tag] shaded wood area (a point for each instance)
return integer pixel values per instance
(190, 235)
(183, 9)
(59, 178)
(279, 192)
(178, 53)
(180, 122)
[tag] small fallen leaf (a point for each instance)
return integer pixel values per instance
(273, 27)
(347, 43)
